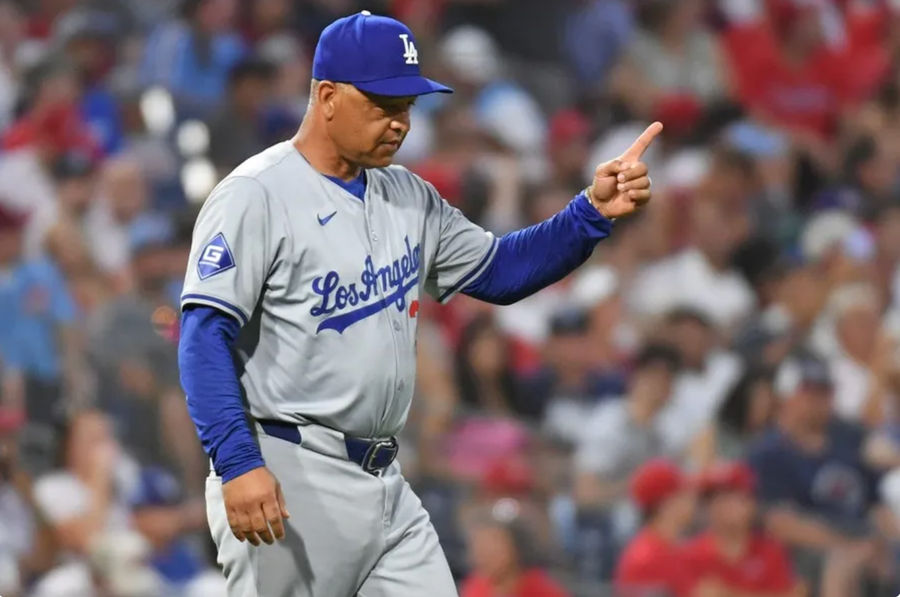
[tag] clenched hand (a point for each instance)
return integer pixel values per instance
(621, 185)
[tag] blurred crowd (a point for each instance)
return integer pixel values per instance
(710, 407)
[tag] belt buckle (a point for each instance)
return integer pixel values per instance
(386, 446)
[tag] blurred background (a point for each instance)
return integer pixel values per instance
(709, 408)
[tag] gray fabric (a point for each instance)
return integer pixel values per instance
(350, 533)
(613, 445)
(308, 256)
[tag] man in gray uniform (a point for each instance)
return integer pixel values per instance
(300, 308)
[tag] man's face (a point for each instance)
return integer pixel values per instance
(367, 129)
(251, 94)
(75, 193)
(681, 508)
(492, 551)
(858, 331)
(653, 383)
(694, 341)
(814, 405)
(731, 512)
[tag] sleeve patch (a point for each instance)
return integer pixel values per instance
(215, 258)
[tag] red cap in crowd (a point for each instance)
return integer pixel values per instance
(731, 476)
(565, 127)
(508, 476)
(655, 482)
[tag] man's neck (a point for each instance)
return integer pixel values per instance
(667, 529)
(319, 151)
(732, 545)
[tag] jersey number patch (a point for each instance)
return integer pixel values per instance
(215, 258)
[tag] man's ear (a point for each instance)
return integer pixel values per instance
(327, 98)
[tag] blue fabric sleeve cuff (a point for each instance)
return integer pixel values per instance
(589, 214)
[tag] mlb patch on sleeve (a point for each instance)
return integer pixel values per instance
(215, 258)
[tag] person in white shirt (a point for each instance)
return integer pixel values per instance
(707, 374)
(853, 315)
(700, 276)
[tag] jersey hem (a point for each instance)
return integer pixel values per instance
(471, 274)
(211, 301)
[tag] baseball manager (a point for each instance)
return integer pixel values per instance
(300, 306)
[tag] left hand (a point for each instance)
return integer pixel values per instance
(621, 186)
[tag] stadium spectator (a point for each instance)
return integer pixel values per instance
(120, 205)
(700, 276)
(798, 294)
(88, 38)
(570, 382)
(501, 565)
(856, 312)
(707, 373)
(27, 548)
(672, 68)
(617, 439)
(819, 496)
(870, 181)
(236, 131)
(731, 554)
(654, 562)
(611, 338)
(485, 376)
(748, 411)
(39, 336)
(131, 343)
(83, 496)
(192, 57)
(785, 72)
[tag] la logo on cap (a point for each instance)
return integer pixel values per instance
(409, 50)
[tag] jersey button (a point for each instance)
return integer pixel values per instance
(397, 325)
(374, 236)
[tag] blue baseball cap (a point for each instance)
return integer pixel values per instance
(373, 53)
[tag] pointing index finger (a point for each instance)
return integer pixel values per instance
(641, 144)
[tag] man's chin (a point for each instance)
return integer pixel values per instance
(379, 159)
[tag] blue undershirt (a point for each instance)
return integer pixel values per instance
(356, 186)
(526, 261)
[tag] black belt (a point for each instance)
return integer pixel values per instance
(372, 455)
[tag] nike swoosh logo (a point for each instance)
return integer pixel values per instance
(323, 221)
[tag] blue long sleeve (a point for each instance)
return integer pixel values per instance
(532, 258)
(214, 401)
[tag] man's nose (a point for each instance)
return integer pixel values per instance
(400, 123)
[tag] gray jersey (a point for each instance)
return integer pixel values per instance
(327, 287)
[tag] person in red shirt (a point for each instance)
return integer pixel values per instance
(653, 563)
(786, 73)
(732, 555)
(499, 566)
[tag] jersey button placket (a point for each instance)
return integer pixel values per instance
(382, 256)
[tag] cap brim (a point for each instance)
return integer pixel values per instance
(402, 86)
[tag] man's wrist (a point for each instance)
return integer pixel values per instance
(589, 195)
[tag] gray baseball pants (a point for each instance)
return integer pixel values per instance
(350, 534)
